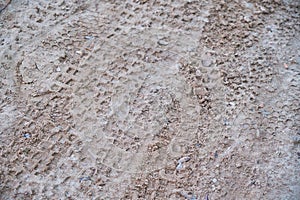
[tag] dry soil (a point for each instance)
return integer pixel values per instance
(150, 99)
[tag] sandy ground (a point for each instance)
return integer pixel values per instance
(150, 99)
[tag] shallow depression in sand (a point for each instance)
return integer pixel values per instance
(138, 116)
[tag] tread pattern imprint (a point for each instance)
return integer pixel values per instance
(136, 100)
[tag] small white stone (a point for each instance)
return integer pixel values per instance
(183, 159)
(79, 53)
(162, 42)
(179, 166)
(58, 69)
(238, 165)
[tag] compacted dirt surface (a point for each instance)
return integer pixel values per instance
(150, 99)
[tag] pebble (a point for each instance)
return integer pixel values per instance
(198, 72)
(27, 135)
(183, 159)
(238, 165)
(179, 166)
(87, 178)
(162, 42)
(180, 161)
(79, 53)
(58, 69)
(88, 37)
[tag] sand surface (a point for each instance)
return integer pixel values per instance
(150, 99)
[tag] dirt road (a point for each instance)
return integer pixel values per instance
(150, 99)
